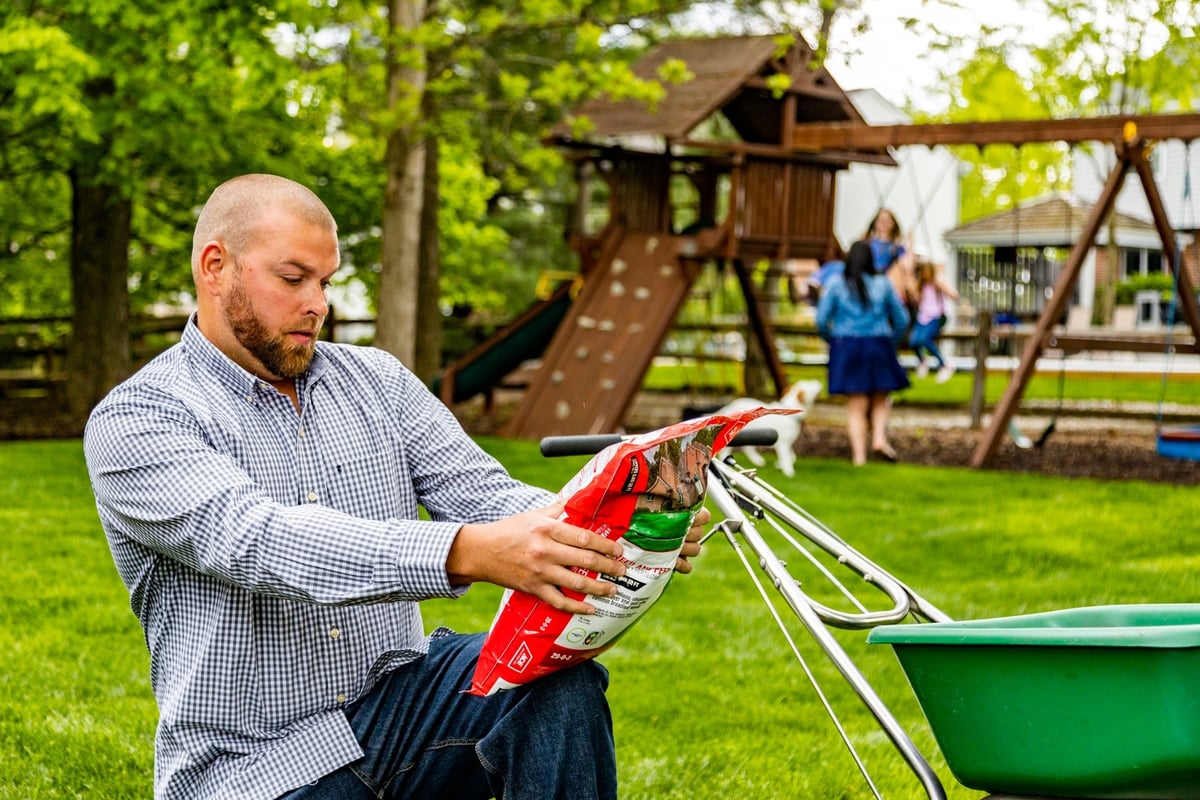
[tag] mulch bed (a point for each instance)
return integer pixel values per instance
(1103, 454)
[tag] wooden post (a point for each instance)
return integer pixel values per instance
(983, 347)
(1185, 297)
(328, 331)
(761, 328)
(1053, 311)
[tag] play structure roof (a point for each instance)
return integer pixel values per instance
(729, 75)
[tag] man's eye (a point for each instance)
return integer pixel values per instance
(293, 281)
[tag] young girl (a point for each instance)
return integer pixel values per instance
(932, 292)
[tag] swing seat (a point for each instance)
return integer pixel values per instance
(1181, 442)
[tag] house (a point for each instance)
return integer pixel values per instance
(1008, 262)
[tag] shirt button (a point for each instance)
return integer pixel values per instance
(300, 433)
(312, 497)
(334, 633)
(341, 698)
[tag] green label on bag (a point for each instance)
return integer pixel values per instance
(659, 531)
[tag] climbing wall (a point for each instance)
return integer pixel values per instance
(595, 363)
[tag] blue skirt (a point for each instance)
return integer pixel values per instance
(864, 365)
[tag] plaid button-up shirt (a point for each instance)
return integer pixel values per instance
(275, 558)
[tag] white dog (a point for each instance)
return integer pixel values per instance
(800, 395)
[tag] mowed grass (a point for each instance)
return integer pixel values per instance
(707, 698)
(76, 715)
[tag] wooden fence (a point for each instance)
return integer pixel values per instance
(33, 350)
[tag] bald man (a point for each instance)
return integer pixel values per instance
(260, 489)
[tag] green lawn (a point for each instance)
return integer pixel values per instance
(707, 699)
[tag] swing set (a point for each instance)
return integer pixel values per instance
(1184, 441)
(1015, 433)
(1131, 138)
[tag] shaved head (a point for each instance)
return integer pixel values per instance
(235, 209)
(264, 251)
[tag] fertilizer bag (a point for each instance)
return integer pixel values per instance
(644, 491)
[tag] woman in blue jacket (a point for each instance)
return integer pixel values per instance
(861, 317)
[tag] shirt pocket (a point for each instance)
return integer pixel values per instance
(367, 485)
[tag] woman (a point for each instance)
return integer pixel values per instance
(932, 292)
(862, 319)
(883, 235)
(893, 257)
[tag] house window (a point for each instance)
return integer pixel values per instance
(1140, 261)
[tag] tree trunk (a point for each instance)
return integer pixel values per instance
(429, 312)
(98, 355)
(397, 321)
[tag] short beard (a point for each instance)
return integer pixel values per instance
(282, 359)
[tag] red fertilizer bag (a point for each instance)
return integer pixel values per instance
(644, 491)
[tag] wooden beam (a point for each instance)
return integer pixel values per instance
(761, 328)
(780, 153)
(819, 136)
(807, 89)
(1082, 343)
(1007, 406)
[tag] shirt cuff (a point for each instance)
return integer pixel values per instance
(415, 562)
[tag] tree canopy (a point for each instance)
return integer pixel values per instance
(120, 116)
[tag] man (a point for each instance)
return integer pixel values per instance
(260, 490)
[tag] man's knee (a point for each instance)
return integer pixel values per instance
(587, 680)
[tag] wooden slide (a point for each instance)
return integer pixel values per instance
(594, 365)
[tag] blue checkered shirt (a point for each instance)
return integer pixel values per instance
(275, 558)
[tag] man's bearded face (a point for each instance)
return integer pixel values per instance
(280, 356)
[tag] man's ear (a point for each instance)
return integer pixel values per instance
(214, 263)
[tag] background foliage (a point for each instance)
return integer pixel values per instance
(157, 102)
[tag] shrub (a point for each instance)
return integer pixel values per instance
(1161, 282)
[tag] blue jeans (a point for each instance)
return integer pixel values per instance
(423, 737)
(923, 340)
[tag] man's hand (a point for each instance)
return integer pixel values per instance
(691, 545)
(534, 552)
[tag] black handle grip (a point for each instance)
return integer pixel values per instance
(580, 445)
(590, 444)
(754, 437)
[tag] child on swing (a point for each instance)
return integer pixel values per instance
(930, 317)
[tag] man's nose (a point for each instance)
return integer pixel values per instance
(316, 302)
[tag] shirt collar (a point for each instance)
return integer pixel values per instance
(230, 373)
